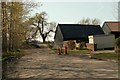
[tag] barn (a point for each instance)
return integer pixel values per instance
(76, 32)
(112, 28)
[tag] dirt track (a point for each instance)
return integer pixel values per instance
(43, 63)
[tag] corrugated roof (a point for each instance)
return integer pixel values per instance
(79, 31)
(113, 26)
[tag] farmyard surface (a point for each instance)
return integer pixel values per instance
(43, 63)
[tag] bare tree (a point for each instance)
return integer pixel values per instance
(89, 21)
(44, 28)
(95, 21)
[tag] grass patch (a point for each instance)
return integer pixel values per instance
(105, 56)
(10, 58)
(35, 45)
(77, 51)
(12, 55)
(53, 49)
(99, 56)
(72, 51)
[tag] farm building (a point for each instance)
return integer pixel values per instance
(112, 28)
(102, 41)
(76, 32)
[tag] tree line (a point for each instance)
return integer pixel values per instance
(14, 27)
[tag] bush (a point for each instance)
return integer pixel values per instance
(50, 44)
(71, 44)
(12, 55)
(117, 47)
(35, 46)
(82, 45)
(117, 42)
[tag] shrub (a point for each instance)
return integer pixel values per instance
(50, 44)
(12, 55)
(71, 44)
(117, 42)
(82, 45)
(35, 46)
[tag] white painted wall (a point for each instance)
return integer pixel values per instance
(91, 39)
(102, 41)
(106, 29)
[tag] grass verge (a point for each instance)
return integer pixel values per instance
(12, 55)
(99, 56)
(72, 51)
(105, 56)
(9, 58)
(78, 51)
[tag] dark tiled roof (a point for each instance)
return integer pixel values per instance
(79, 31)
(113, 26)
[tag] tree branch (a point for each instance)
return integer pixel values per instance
(48, 32)
(42, 25)
(34, 24)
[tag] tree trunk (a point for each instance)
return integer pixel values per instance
(4, 31)
(43, 39)
(13, 27)
(4, 42)
(10, 38)
(10, 32)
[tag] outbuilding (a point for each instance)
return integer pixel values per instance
(102, 41)
(112, 27)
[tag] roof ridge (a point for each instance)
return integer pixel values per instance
(114, 26)
(80, 24)
(112, 21)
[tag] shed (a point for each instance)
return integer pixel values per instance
(102, 41)
(77, 32)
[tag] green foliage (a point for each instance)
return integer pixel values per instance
(105, 56)
(35, 45)
(12, 55)
(83, 49)
(117, 42)
(13, 24)
(54, 49)
(50, 44)
(78, 51)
